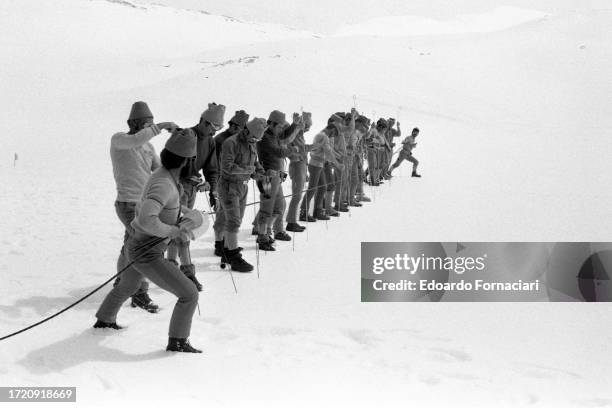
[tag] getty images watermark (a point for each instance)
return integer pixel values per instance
(485, 271)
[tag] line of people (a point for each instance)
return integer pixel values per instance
(156, 195)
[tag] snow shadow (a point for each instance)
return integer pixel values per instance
(78, 349)
(46, 305)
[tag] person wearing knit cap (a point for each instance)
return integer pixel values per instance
(350, 173)
(346, 126)
(205, 161)
(322, 157)
(297, 173)
(158, 216)
(235, 125)
(375, 142)
(390, 134)
(361, 129)
(238, 165)
(271, 152)
(134, 159)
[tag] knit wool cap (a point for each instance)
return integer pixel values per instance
(182, 143)
(335, 119)
(140, 110)
(307, 118)
(257, 127)
(214, 114)
(277, 117)
(240, 118)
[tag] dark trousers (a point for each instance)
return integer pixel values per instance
(316, 188)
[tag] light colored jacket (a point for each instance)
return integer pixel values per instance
(164, 193)
(134, 159)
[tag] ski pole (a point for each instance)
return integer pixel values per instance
(222, 252)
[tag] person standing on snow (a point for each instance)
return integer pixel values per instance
(134, 159)
(356, 193)
(406, 153)
(238, 165)
(158, 216)
(350, 174)
(390, 134)
(205, 160)
(297, 173)
(235, 126)
(271, 153)
(375, 143)
(321, 153)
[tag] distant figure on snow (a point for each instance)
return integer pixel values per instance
(406, 153)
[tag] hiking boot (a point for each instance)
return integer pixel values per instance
(414, 174)
(103, 325)
(264, 244)
(341, 208)
(181, 346)
(332, 213)
(321, 215)
(189, 271)
(236, 261)
(355, 204)
(143, 301)
(308, 218)
(219, 247)
(295, 227)
(364, 198)
(282, 236)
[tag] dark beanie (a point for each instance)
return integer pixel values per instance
(140, 110)
(240, 118)
(277, 117)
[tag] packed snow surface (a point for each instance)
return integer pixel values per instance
(515, 140)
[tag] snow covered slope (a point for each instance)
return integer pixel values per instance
(515, 131)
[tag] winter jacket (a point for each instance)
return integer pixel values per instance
(134, 159)
(205, 161)
(271, 152)
(301, 155)
(219, 140)
(374, 139)
(322, 151)
(390, 134)
(238, 159)
(163, 191)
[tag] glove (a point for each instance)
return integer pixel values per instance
(260, 187)
(203, 186)
(213, 200)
